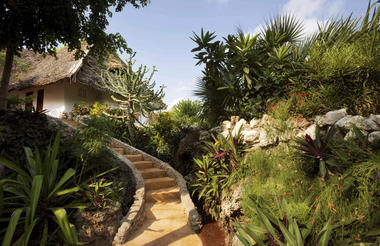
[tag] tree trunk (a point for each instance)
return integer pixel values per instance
(130, 126)
(6, 77)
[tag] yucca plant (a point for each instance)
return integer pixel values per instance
(37, 199)
(280, 232)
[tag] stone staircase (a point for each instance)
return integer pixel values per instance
(165, 222)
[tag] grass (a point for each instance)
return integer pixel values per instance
(351, 200)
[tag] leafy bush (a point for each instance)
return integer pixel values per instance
(337, 67)
(19, 128)
(214, 169)
(41, 196)
(187, 113)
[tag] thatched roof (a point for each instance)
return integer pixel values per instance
(32, 69)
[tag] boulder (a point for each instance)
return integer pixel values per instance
(240, 125)
(374, 137)
(375, 119)
(351, 134)
(310, 131)
(234, 120)
(357, 120)
(254, 123)
(250, 136)
(331, 117)
(226, 125)
(265, 140)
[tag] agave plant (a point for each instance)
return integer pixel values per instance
(38, 198)
(318, 149)
(280, 232)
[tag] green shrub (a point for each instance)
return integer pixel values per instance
(19, 128)
(214, 170)
(187, 113)
(37, 197)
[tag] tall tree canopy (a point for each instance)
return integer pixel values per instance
(41, 25)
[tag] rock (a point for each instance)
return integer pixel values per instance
(331, 117)
(250, 136)
(359, 121)
(265, 140)
(351, 134)
(231, 202)
(234, 120)
(187, 147)
(215, 130)
(226, 125)
(240, 125)
(236, 242)
(254, 123)
(302, 123)
(374, 137)
(375, 118)
(310, 131)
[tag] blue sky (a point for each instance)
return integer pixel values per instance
(160, 33)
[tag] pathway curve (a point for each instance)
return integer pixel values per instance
(165, 222)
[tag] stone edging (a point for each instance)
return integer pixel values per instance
(194, 219)
(135, 215)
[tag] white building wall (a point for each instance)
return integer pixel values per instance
(76, 92)
(53, 97)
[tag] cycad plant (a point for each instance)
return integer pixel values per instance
(133, 91)
(36, 199)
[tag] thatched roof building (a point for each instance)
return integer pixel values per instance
(60, 82)
(33, 69)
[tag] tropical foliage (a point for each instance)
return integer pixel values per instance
(39, 198)
(243, 74)
(134, 92)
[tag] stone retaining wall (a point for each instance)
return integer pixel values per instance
(194, 219)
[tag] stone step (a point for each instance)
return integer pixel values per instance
(142, 164)
(168, 210)
(159, 183)
(133, 158)
(149, 173)
(118, 150)
(163, 195)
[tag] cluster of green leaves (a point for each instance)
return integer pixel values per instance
(337, 67)
(18, 129)
(345, 198)
(37, 198)
(280, 232)
(187, 113)
(222, 158)
(84, 109)
(244, 73)
(103, 192)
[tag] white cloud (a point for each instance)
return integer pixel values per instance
(304, 8)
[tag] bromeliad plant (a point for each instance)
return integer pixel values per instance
(318, 149)
(221, 159)
(37, 199)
